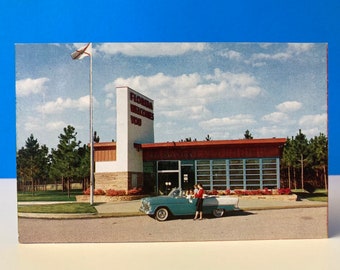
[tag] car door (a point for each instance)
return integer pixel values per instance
(183, 206)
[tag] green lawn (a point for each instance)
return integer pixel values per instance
(50, 195)
(320, 195)
(63, 208)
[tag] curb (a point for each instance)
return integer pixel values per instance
(77, 216)
(283, 207)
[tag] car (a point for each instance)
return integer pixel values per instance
(177, 204)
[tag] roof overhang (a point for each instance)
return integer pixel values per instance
(218, 143)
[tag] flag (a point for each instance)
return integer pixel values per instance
(82, 52)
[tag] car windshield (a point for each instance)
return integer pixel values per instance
(175, 192)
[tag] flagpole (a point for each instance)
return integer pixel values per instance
(79, 54)
(91, 136)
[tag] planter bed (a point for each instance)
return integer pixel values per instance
(292, 197)
(103, 198)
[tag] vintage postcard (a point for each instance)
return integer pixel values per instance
(150, 142)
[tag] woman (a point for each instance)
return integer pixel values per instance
(199, 203)
(195, 189)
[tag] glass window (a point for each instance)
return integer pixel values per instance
(269, 161)
(269, 182)
(236, 177)
(220, 177)
(205, 183)
(201, 177)
(251, 177)
(219, 187)
(237, 186)
(252, 172)
(203, 166)
(269, 166)
(237, 173)
(167, 165)
(252, 161)
(272, 172)
(187, 162)
(236, 161)
(269, 177)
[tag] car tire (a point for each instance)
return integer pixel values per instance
(218, 212)
(162, 214)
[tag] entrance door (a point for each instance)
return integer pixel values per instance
(167, 181)
(187, 176)
(168, 175)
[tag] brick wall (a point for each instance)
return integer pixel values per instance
(118, 180)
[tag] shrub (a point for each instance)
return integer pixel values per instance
(134, 191)
(220, 192)
(95, 192)
(266, 191)
(112, 192)
(99, 192)
(239, 192)
(284, 191)
(252, 192)
(213, 192)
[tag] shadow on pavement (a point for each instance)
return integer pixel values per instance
(211, 216)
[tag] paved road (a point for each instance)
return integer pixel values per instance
(302, 223)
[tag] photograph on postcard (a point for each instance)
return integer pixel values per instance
(150, 142)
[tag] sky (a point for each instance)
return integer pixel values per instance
(220, 89)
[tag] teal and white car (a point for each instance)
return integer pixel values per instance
(177, 204)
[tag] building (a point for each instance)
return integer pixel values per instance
(135, 160)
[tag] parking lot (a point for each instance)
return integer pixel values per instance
(298, 223)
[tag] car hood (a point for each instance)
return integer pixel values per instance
(157, 200)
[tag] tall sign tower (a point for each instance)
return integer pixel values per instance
(135, 125)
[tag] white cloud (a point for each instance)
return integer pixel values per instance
(271, 131)
(58, 125)
(237, 84)
(267, 56)
(190, 112)
(292, 50)
(265, 45)
(151, 49)
(29, 86)
(316, 120)
(110, 120)
(289, 106)
(108, 103)
(109, 100)
(185, 93)
(257, 64)
(227, 123)
(313, 125)
(276, 117)
(231, 54)
(297, 48)
(32, 124)
(60, 104)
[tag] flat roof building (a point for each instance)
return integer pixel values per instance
(135, 160)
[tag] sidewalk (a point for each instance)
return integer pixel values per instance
(244, 204)
(131, 208)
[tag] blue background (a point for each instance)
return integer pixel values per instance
(37, 21)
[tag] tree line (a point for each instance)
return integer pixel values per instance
(69, 162)
(304, 162)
